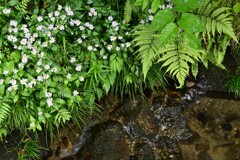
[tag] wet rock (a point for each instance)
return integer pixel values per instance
(216, 122)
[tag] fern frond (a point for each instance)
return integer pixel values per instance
(4, 111)
(217, 20)
(63, 91)
(127, 11)
(177, 57)
(147, 41)
(23, 6)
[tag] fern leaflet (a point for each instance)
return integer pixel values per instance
(148, 42)
(176, 57)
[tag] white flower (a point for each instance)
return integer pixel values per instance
(52, 40)
(14, 87)
(5, 72)
(21, 65)
(24, 58)
(48, 33)
(39, 28)
(46, 76)
(120, 37)
(110, 18)
(27, 35)
(51, 27)
(112, 38)
(13, 82)
(59, 7)
(68, 76)
(33, 81)
(38, 70)
(14, 39)
(40, 113)
(23, 81)
(62, 17)
(117, 48)
(1, 81)
(23, 27)
(19, 47)
(44, 44)
(122, 45)
(142, 21)
(109, 47)
(39, 18)
(29, 85)
(149, 11)
(50, 102)
(47, 67)
(61, 27)
(91, 27)
(39, 63)
(40, 78)
(114, 24)
(79, 40)
(35, 35)
(50, 15)
(72, 22)
(104, 57)
(23, 41)
(81, 79)
(56, 13)
(13, 23)
(68, 10)
(84, 36)
(78, 67)
(81, 28)
(77, 22)
(32, 124)
(9, 88)
(52, 19)
(40, 55)
(6, 11)
(128, 44)
(15, 71)
(15, 30)
(150, 18)
(75, 93)
(73, 59)
(10, 29)
(54, 69)
(90, 48)
(48, 94)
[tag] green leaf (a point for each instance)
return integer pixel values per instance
(168, 34)
(138, 3)
(145, 3)
(185, 5)
(191, 23)
(106, 85)
(2, 89)
(161, 19)
(15, 56)
(13, 2)
(192, 40)
(236, 8)
(195, 69)
(155, 5)
(8, 66)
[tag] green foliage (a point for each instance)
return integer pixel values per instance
(233, 84)
(177, 57)
(30, 150)
(147, 41)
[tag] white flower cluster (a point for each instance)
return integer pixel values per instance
(92, 12)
